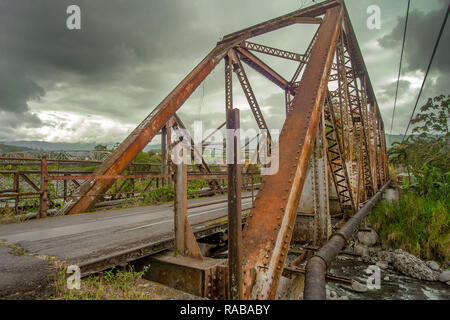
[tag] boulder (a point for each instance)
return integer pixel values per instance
(444, 276)
(368, 238)
(412, 266)
(385, 256)
(433, 265)
(362, 250)
(358, 287)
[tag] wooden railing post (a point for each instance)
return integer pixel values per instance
(44, 188)
(16, 190)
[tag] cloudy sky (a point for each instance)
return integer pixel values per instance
(96, 84)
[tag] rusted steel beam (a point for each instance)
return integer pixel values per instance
(319, 166)
(228, 84)
(259, 66)
(253, 103)
(16, 189)
(10, 194)
(29, 181)
(142, 135)
(164, 153)
(336, 159)
(356, 54)
(305, 15)
(272, 51)
(305, 61)
(269, 227)
(108, 177)
(234, 206)
(43, 201)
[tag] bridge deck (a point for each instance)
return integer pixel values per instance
(91, 239)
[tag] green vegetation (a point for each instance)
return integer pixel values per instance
(109, 285)
(419, 221)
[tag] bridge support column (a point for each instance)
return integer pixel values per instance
(234, 205)
(185, 242)
(322, 219)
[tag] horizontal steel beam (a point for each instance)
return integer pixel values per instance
(305, 15)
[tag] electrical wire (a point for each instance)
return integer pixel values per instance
(428, 69)
(400, 66)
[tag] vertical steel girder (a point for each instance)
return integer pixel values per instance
(355, 103)
(269, 227)
(234, 206)
(336, 159)
(322, 218)
(228, 83)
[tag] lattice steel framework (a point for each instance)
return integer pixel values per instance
(329, 83)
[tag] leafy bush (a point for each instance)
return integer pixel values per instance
(415, 224)
(161, 194)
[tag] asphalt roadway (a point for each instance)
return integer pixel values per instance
(90, 236)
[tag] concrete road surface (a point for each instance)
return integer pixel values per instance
(86, 236)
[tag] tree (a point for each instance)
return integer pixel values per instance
(429, 144)
(100, 147)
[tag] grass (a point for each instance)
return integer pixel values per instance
(419, 225)
(109, 285)
(7, 215)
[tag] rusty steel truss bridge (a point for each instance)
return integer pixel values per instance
(332, 144)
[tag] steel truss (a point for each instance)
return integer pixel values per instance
(330, 86)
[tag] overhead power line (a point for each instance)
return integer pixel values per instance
(428, 69)
(400, 65)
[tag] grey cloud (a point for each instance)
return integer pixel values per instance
(421, 35)
(386, 92)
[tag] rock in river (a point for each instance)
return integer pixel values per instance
(368, 238)
(433, 265)
(444, 276)
(412, 266)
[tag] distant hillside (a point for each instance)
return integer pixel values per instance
(52, 146)
(13, 146)
(4, 148)
(390, 139)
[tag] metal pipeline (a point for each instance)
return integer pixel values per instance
(317, 266)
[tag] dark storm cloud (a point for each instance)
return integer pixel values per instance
(130, 54)
(386, 93)
(423, 29)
